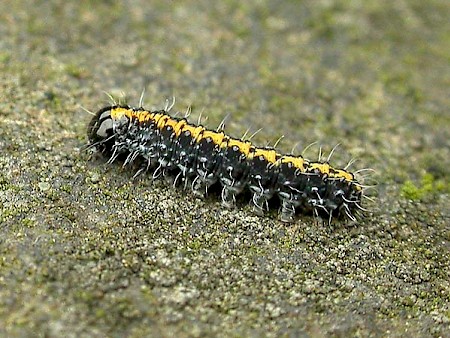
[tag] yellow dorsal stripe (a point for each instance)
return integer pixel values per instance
(145, 116)
(219, 138)
(175, 124)
(157, 117)
(119, 112)
(339, 174)
(179, 127)
(269, 154)
(216, 137)
(162, 121)
(297, 161)
(323, 168)
(193, 129)
(244, 146)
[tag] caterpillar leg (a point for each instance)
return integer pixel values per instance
(260, 204)
(287, 212)
(198, 187)
(228, 197)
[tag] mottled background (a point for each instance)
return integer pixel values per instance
(87, 251)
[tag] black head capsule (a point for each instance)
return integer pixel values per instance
(101, 130)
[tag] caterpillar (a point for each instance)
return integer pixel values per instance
(202, 157)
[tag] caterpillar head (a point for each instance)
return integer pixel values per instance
(106, 126)
(101, 130)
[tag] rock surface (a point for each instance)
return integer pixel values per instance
(87, 251)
